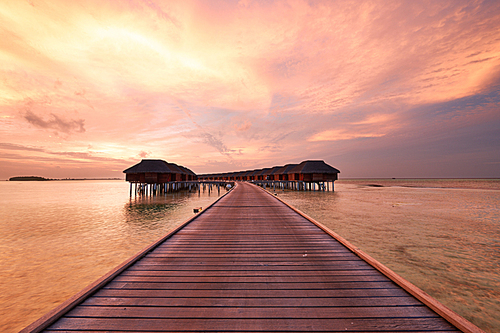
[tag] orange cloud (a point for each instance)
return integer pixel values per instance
(374, 126)
(339, 134)
(118, 74)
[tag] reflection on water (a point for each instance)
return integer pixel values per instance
(58, 237)
(153, 212)
(444, 240)
(148, 212)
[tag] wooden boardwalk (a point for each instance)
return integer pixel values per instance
(247, 264)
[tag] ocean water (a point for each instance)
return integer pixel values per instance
(441, 235)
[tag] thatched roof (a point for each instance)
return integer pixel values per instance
(262, 172)
(314, 167)
(273, 170)
(306, 167)
(256, 172)
(156, 166)
(184, 169)
(285, 169)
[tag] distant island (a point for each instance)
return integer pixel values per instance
(28, 178)
(38, 178)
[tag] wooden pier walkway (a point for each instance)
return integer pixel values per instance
(249, 263)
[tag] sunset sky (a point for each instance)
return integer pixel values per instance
(373, 88)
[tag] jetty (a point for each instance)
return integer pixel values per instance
(152, 177)
(251, 263)
(308, 175)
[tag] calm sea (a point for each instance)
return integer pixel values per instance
(442, 235)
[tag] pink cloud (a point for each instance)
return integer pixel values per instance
(242, 83)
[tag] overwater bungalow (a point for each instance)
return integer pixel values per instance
(253, 174)
(153, 176)
(152, 172)
(187, 174)
(261, 175)
(308, 175)
(313, 171)
(240, 175)
(270, 174)
(245, 175)
(282, 173)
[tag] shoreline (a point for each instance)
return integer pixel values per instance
(37, 179)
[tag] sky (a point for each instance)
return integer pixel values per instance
(374, 88)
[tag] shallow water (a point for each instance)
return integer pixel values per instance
(442, 235)
(57, 237)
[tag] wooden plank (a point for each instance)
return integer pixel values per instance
(346, 302)
(244, 253)
(171, 312)
(193, 245)
(252, 248)
(248, 251)
(248, 273)
(241, 325)
(259, 293)
(170, 331)
(251, 285)
(297, 260)
(270, 266)
(299, 256)
(251, 279)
